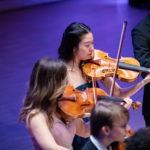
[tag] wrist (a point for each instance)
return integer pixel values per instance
(145, 81)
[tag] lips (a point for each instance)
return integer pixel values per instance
(92, 55)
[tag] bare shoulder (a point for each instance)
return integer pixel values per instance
(36, 117)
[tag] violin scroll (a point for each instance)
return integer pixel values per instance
(136, 105)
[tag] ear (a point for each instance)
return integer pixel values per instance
(106, 130)
(74, 50)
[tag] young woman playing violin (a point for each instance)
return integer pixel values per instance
(44, 122)
(77, 46)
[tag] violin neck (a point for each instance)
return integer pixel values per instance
(127, 66)
(109, 98)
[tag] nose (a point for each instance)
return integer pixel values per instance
(92, 48)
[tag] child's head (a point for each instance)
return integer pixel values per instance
(47, 83)
(140, 140)
(109, 119)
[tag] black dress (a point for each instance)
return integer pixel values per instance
(78, 141)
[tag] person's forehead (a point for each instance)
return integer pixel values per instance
(87, 37)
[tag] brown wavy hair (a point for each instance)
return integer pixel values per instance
(47, 83)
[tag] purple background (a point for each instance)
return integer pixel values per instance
(30, 33)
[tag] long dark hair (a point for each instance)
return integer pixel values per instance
(47, 82)
(70, 40)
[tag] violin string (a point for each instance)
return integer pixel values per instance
(95, 84)
(94, 92)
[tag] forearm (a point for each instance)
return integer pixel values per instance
(125, 92)
(59, 148)
(56, 147)
(82, 128)
(129, 91)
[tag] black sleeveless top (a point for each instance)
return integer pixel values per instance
(78, 141)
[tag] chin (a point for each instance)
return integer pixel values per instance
(122, 140)
(86, 58)
(90, 57)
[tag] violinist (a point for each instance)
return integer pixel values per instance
(48, 129)
(108, 124)
(77, 45)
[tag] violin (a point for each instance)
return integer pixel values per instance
(102, 66)
(74, 103)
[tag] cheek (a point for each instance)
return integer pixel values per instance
(83, 53)
(119, 135)
(122, 136)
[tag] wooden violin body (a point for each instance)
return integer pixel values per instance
(118, 146)
(102, 66)
(75, 103)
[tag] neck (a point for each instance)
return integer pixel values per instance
(105, 141)
(73, 64)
